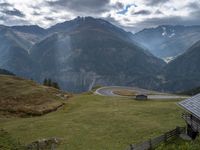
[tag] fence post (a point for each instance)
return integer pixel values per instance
(178, 130)
(150, 144)
(38, 146)
(165, 137)
(131, 147)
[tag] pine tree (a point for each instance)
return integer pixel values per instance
(45, 82)
(49, 82)
(55, 85)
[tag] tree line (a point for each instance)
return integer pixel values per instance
(50, 83)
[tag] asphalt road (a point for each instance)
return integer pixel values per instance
(108, 91)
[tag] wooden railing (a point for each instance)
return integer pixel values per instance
(192, 121)
(152, 143)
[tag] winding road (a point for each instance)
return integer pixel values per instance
(108, 91)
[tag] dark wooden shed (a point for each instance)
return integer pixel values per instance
(141, 97)
(192, 115)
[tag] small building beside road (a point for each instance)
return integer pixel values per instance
(141, 97)
(192, 115)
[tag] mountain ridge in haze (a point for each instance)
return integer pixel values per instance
(92, 53)
(183, 72)
(13, 52)
(168, 41)
(86, 51)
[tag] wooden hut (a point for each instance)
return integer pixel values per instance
(141, 97)
(192, 115)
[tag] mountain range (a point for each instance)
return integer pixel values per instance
(14, 52)
(86, 51)
(184, 71)
(167, 41)
(93, 51)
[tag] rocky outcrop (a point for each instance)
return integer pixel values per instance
(44, 144)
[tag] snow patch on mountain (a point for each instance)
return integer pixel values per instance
(169, 34)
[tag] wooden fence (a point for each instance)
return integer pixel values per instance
(152, 143)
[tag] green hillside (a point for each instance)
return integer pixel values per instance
(24, 97)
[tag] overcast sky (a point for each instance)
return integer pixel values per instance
(132, 15)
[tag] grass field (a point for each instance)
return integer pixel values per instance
(179, 144)
(89, 122)
(125, 92)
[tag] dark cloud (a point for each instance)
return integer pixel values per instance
(13, 12)
(156, 2)
(158, 12)
(126, 20)
(86, 6)
(194, 5)
(141, 12)
(5, 4)
(119, 5)
(35, 13)
(49, 18)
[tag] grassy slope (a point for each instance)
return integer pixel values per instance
(125, 92)
(179, 144)
(7, 142)
(91, 122)
(21, 96)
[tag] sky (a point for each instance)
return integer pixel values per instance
(132, 15)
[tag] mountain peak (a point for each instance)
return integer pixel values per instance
(168, 41)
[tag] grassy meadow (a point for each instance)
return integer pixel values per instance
(91, 122)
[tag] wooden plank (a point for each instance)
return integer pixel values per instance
(147, 145)
(143, 146)
(157, 140)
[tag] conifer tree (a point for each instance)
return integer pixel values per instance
(55, 85)
(45, 82)
(49, 82)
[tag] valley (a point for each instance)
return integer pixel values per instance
(117, 91)
(69, 54)
(94, 85)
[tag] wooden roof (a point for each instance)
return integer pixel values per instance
(192, 105)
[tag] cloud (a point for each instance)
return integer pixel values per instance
(83, 6)
(14, 12)
(35, 13)
(49, 18)
(194, 5)
(131, 15)
(142, 12)
(156, 2)
(125, 10)
(119, 5)
(5, 4)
